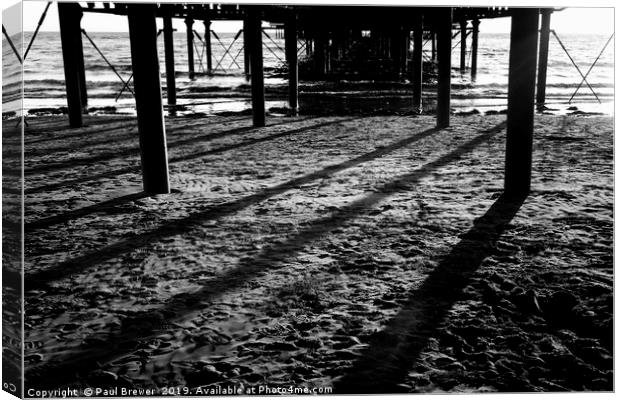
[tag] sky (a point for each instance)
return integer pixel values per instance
(11, 19)
(570, 20)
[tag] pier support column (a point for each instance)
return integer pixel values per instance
(320, 55)
(433, 47)
(463, 25)
(402, 48)
(147, 87)
(521, 87)
(207, 24)
(246, 48)
(406, 47)
(171, 90)
(255, 42)
(290, 44)
(444, 59)
(69, 16)
(81, 72)
(395, 50)
(416, 69)
(543, 53)
(189, 23)
(474, 48)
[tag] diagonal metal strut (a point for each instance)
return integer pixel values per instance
(590, 69)
(573, 61)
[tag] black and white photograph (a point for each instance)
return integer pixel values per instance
(217, 199)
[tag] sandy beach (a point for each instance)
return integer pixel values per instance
(362, 253)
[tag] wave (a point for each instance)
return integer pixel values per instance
(105, 67)
(42, 88)
(52, 84)
(504, 85)
(568, 66)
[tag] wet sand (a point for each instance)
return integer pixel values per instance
(365, 253)
(320, 98)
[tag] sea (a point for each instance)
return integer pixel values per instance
(227, 90)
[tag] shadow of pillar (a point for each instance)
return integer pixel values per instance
(393, 352)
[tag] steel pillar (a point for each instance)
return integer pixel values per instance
(320, 54)
(444, 56)
(474, 48)
(416, 78)
(207, 24)
(395, 50)
(255, 36)
(246, 48)
(521, 88)
(69, 16)
(543, 54)
(290, 44)
(463, 25)
(79, 49)
(189, 23)
(147, 87)
(171, 90)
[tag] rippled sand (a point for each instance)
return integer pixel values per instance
(371, 254)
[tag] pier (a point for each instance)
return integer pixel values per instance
(317, 244)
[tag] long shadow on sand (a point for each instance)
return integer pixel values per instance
(80, 212)
(392, 352)
(65, 131)
(268, 260)
(127, 132)
(136, 169)
(174, 227)
(134, 151)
